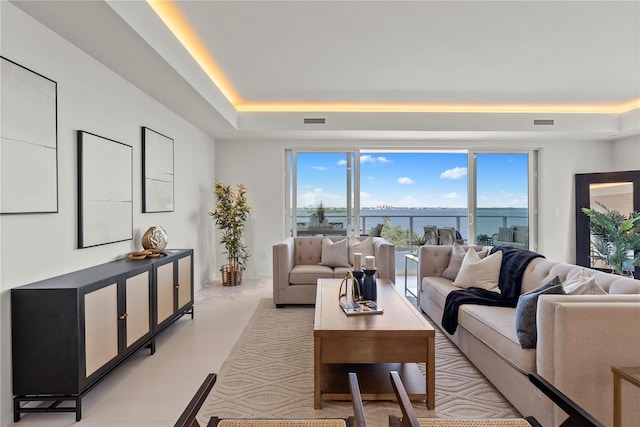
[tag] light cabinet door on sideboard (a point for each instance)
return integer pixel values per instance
(100, 327)
(137, 313)
(184, 281)
(173, 287)
(164, 292)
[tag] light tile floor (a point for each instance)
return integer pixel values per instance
(154, 390)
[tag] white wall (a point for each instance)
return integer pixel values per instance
(93, 98)
(260, 165)
(626, 153)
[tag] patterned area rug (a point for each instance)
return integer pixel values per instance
(269, 374)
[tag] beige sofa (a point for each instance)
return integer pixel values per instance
(296, 267)
(580, 337)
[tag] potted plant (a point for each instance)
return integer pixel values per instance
(230, 215)
(615, 238)
(320, 213)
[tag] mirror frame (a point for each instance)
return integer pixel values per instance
(582, 182)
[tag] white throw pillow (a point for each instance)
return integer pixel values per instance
(455, 262)
(335, 254)
(479, 273)
(365, 247)
(582, 284)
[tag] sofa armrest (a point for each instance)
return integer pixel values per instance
(282, 263)
(385, 253)
(580, 337)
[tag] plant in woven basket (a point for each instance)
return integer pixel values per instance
(615, 238)
(230, 214)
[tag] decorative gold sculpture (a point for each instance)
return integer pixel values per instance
(155, 238)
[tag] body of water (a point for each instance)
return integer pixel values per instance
(487, 222)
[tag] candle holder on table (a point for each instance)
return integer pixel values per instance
(358, 280)
(369, 287)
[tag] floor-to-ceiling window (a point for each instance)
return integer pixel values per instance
(485, 197)
(408, 190)
(321, 193)
(503, 197)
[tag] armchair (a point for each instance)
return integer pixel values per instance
(297, 268)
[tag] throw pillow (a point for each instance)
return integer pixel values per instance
(582, 284)
(590, 287)
(479, 273)
(365, 247)
(527, 308)
(455, 262)
(335, 254)
(505, 234)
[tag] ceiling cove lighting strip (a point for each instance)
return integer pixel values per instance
(179, 26)
(438, 108)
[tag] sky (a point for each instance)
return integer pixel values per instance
(413, 179)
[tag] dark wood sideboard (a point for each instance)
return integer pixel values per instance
(69, 332)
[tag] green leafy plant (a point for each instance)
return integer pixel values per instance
(419, 240)
(397, 235)
(615, 238)
(320, 213)
(483, 239)
(231, 213)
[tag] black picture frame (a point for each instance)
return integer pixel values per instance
(158, 188)
(28, 140)
(105, 190)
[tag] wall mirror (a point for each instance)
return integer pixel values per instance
(617, 191)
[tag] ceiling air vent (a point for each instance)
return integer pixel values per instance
(543, 122)
(314, 121)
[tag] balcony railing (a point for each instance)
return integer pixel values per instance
(485, 224)
(412, 225)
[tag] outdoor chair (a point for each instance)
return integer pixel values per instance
(450, 236)
(577, 416)
(431, 235)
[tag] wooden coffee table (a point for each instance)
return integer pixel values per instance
(371, 345)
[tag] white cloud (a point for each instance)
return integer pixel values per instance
(455, 173)
(408, 201)
(366, 158)
(341, 162)
(319, 168)
(405, 180)
(453, 195)
(317, 195)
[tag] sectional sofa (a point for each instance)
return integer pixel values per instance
(297, 265)
(579, 338)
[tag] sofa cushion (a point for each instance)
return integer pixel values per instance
(303, 274)
(436, 289)
(341, 272)
(307, 250)
(335, 254)
(455, 262)
(526, 311)
(364, 247)
(494, 327)
(625, 285)
(479, 273)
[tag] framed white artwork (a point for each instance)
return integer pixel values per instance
(28, 141)
(105, 193)
(157, 172)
